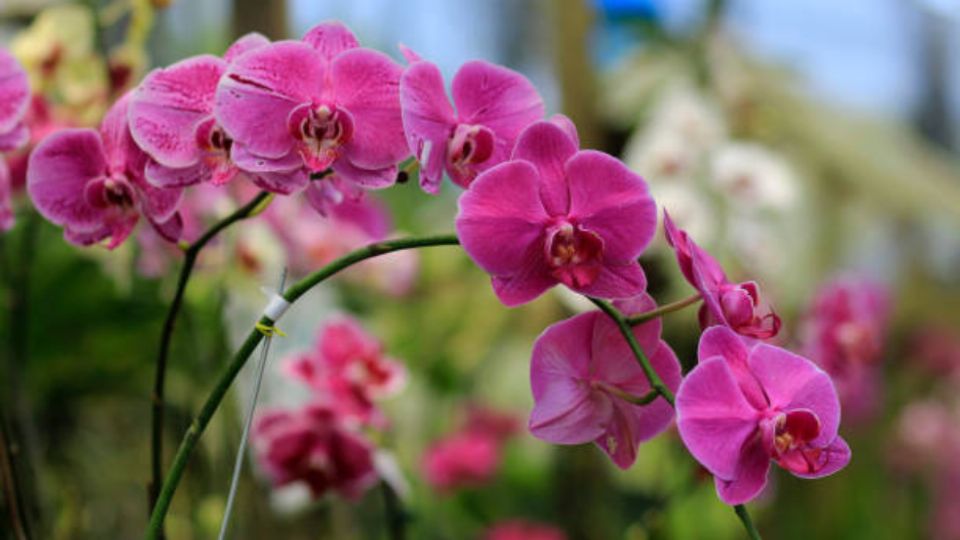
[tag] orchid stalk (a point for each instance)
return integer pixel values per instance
(190, 255)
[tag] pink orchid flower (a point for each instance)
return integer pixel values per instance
(91, 183)
(493, 105)
(747, 403)
(553, 214)
(310, 445)
(737, 305)
(350, 371)
(461, 460)
(171, 119)
(844, 333)
(583, 374)
(14, 99)
(519, 529)
(301, 107)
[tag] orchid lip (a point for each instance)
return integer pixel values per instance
(470, 145)
(109, 192)
(321, 131)
(573, 253)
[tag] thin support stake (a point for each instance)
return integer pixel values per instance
(238, 464)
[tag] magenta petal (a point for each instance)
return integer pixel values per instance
(366, 178)
(751, 476)
(613, 357)
(428, 120)
(566, 411)
(13, 140)
(408, 54)
(612, 201)
(548, 148)
(714, 418)
(169, 104)
(282, 182)
(260, 88)
(244, 43)
(570, 413)
(620, 439)
(14, 92)
(159, 204)
(367, 84)
(830, 460)
(121, 152)
(564, 122)
(59, 169)
(252, 163)
(501, 218)
(723, 342)
(496, 97)
(170, 230)
(793, 382)
(169, 177)
(330, 38)
(617, 281)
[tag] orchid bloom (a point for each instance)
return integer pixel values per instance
(350, 370)
(553, 214)
(493, 105)
(737, 305)
(749, 403)
(14, 100)
(171, 119)
(844, 333)
(300, 107)
(584, 376)
(518, 529)
(91, 183)
(463, 459)
(310, 445)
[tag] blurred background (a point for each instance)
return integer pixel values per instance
(810, 144)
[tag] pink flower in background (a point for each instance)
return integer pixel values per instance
(310, 445)
(493, 105)
(747, 403)
(14, 99)
(553, 214)
(519, 529)
(350, 371)
(91, 182)
(470, 456)
(461, 460)
(301, 107)
(844, 333)
(499, 425)
(583, 374)
(171, 119)
(737, 305)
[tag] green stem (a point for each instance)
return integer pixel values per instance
(192, 436)
(641, 318)
(653, 378)
(744, 516)
(191, 253)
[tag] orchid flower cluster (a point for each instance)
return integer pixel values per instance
(326, 118)
(321, 444)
